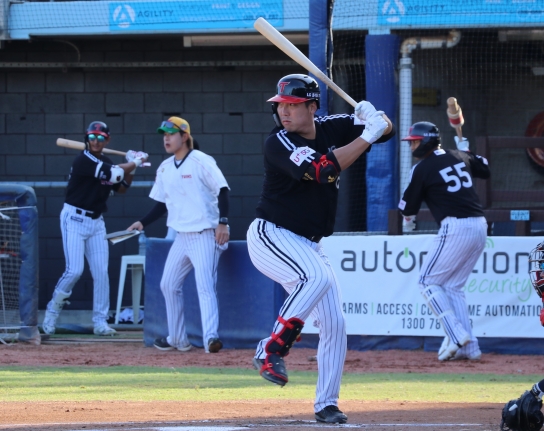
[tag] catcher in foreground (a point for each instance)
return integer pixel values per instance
(524, 413)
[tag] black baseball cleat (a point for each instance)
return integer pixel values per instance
(272, 369)
(214, 345)
(331, 415)
(162, 344)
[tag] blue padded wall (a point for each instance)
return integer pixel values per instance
(382, 180)
(248, 304)
(320, 47)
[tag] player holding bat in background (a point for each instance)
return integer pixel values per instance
(92, 177)
(443, 179)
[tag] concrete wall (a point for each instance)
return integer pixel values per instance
(226, 108)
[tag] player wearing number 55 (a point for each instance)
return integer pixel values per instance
(92, 178)
(443, 179)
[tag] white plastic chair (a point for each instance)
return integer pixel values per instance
(137, 263)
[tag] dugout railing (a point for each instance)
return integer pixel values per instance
(522, 217)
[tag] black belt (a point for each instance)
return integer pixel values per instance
(315, 238)
(92, 215)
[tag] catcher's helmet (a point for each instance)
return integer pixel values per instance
(427, 133)
(536, 268)
(296, 88)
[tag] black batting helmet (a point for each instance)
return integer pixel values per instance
(98, 128)
(427, 133)
(296, 88)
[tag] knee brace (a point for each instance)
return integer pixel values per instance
(281, 342)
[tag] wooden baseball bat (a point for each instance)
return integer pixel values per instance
(76, 145)
(455, 116)
(274, 36)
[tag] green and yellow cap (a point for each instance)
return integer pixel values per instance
(174, 125)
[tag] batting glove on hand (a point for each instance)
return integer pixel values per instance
(141, 155)
(374, 127)
(364, 110)
(131, 155)
(139, 159)
(408, 223)
(462, 145)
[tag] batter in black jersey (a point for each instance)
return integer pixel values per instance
(444, 180)
(85, 190)
(303, 158)
(92, 178)
(301, 201)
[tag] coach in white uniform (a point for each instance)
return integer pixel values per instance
(194, 192)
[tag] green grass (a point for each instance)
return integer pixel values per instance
(216, 384)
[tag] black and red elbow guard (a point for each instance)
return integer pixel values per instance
(326, 168)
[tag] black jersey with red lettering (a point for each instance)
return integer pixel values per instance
(444, 181)
(90, 183)
(305, 207)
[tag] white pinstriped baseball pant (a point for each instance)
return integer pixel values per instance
(451, 259)
(303, 269)
(84, 237)
(200, 251)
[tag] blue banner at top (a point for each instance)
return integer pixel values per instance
(459, 13)
(198, 14)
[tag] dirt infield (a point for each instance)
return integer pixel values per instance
(372, 414)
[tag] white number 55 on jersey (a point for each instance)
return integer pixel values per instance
(459, 177)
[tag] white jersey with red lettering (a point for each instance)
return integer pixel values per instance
(189, 189)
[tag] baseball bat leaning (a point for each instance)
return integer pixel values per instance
(455, 116)
(274, 36)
